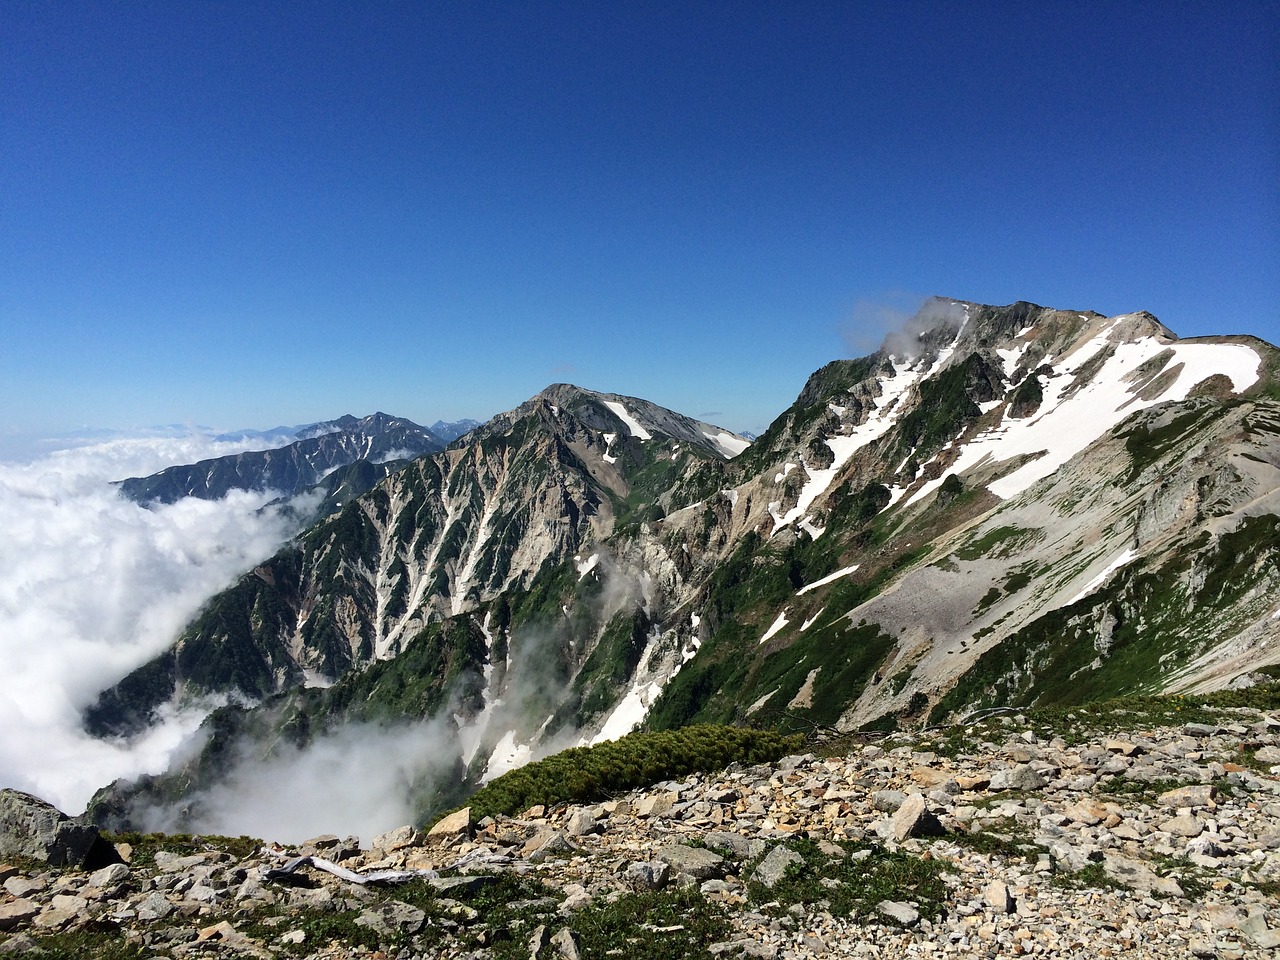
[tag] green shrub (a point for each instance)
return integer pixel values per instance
(588, 774)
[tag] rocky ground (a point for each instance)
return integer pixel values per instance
(1002, 839)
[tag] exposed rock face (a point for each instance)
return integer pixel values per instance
(30, 827)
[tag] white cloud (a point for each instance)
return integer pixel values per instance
(93, 585)
(360, 780)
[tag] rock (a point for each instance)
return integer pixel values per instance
(913, 819)
(455, 824)
(565, 944)
(109, 876)
(647, 874)
(581, 823)
(998, 897)
(17, 912)
(30, 827)
(1183, 826)
(774, 866)
(1196, 795)
(656, 804)
(1021, 777)
(406, 836)
(696, 863)
(898, 912)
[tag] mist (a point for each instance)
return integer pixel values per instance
(357, 780)
(92, 586)
(896, 322)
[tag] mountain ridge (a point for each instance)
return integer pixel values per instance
(915, 536)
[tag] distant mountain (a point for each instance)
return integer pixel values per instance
(449, 432)
(293, 468)
(1003, 506)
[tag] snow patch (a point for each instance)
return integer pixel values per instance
(782, 474)
(1064, 426)
(844, 446)
(728, 444)
(628, 420)
(811, 621)
(829, 578)
(507, 755)
(1097, 581)
(586, 566)
(778, 624)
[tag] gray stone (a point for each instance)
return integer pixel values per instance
(647, 874)
(17, 912)
(30, 827)
(582, 823)
(774, 866)
(899, 912)
(695, 863)
(565, 945)
(913, 819)
(1021, 777)
(109, 876)
(999, 898)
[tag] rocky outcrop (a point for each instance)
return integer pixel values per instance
(30, 827)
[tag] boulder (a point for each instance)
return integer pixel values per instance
(455, 824)
(696, 863)
(30, 827)
(774, 867)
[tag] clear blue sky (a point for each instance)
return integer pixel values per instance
(244, 214)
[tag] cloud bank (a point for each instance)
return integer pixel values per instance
(93, 585)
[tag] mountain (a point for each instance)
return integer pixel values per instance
(1004, 505)
(449, 432)
(293, 468)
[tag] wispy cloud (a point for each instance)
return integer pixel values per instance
(93, 585)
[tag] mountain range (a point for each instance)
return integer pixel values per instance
(1003, 505)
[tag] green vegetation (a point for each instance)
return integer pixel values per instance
(677, 924)
(588, 774)
(1128, 637)
(853, 881)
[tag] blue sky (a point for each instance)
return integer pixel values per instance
(249, 214)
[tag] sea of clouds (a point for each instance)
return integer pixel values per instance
(93, 585)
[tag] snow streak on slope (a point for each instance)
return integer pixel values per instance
(846, 445)
(728, 445)
(631, 422)
(1065, 425)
